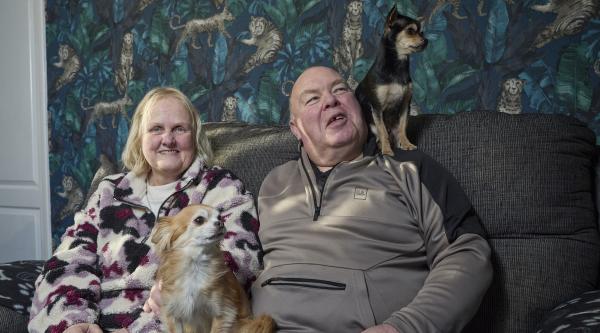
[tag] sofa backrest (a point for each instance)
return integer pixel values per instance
(530, 178)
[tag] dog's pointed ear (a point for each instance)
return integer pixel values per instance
(161, 236)
(392, 15)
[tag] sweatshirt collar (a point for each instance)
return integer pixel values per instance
(132, 187)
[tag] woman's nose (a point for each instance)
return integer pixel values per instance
(168, 137)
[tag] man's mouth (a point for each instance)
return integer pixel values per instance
(335, 118)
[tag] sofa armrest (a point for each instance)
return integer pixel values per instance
(17, 284)
(580, 314)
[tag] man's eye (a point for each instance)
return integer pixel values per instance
(340, 90)
(311, 100)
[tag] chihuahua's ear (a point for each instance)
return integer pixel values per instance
(392, 16)
(161, 236)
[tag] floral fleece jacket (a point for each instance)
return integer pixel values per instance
(104, 268)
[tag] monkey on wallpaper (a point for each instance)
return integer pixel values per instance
(69, 62)
(106, 168)
(229, 109)
(101, 109)
(572, 17)
(142, 4)
(267, 39)
(351, 47)
(455, 7)
(125, 71)
(510, 96)
(196, 26)
(74, 195)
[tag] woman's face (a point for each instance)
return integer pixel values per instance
(167, 141)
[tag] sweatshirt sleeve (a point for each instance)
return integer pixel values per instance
(68, 289)
(458, 254)
(241, 247)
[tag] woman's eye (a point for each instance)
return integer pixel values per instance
(155, 129)
(180, 130)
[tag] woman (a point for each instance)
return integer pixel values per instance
(101, 274)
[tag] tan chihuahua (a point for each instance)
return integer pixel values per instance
(199, 292)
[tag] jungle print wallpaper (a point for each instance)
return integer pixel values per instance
(237, 59)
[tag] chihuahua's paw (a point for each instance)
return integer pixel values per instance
(387, 152)
(407, 146)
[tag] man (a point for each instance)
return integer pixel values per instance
(356, 241)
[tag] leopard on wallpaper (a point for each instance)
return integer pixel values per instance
(237, 59)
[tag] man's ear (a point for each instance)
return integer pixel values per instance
(295, 130)
(161, 236)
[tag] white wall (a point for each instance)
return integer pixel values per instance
(24, 189)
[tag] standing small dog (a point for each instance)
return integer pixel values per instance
(199, 292)
(386, 91)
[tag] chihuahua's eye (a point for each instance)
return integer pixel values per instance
(199, 220)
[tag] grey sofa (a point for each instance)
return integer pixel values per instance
(532, 180)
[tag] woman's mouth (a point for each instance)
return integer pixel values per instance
(168, 151)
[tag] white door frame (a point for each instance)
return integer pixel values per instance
(24, 166)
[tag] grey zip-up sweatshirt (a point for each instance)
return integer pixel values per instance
(385, 240)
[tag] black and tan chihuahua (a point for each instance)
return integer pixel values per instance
(386, 91)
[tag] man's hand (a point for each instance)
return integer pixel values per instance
(84, 328)
(153, 302)
(384, 328)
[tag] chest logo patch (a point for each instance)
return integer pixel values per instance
(360, 193)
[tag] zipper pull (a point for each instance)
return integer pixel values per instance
(317, 213)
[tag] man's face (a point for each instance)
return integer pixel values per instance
(326, 117)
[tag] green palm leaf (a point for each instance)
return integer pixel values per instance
(573, 84)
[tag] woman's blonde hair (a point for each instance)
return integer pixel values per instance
(133, 157)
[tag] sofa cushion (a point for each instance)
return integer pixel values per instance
(530, 179)
(580, 314)
(12, 322)
(251, 151)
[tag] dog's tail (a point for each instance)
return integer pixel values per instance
(260, 324)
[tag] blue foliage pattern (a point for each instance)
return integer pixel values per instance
(474, 46)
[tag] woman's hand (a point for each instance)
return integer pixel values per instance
(84, 328)
(153, 302)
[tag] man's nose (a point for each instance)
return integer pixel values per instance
(330, 100)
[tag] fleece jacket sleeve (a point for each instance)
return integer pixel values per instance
(458, 254)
